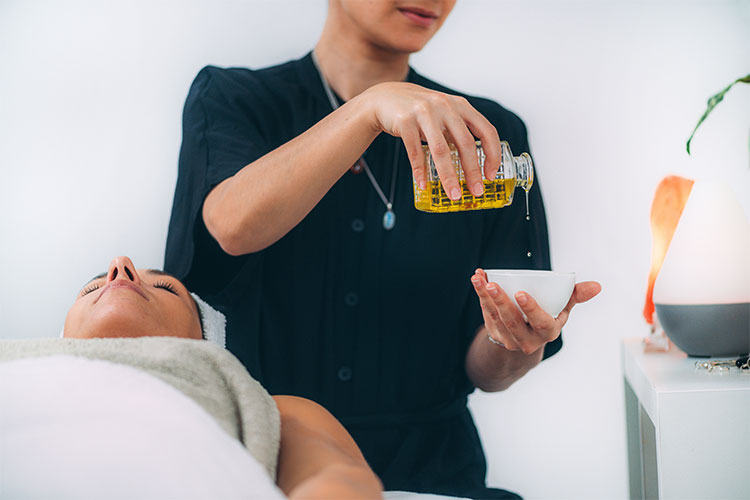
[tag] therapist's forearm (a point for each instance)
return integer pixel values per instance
(493, 368)
(266, 199)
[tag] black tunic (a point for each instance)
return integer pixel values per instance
(372, 324)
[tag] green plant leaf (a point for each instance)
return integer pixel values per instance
(712, 102)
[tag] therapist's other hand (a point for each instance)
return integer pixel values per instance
(417, 114)
(505, 323)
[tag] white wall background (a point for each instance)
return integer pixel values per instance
(91, 95)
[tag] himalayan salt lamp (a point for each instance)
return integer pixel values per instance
(669, 201)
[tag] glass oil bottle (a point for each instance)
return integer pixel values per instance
(514, 171)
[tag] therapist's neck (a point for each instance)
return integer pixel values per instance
(351, 65)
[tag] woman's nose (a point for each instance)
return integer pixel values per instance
(122, 268)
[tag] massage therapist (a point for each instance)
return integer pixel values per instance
(336, 288)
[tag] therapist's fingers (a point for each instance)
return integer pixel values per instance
(397, 105)
(467, 152)
(486, 132)
(583, 292)
(491, 317)
(492, 320)
(586, 290)
(441, 155)
(480, 272)
(413, 144)
(513, 320)
(544, 326)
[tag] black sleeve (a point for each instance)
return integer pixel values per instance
(222, 133)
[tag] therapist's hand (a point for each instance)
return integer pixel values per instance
(417, 114)
(505, 323)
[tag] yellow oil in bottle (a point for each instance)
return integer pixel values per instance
(433, 198)
(513, 172)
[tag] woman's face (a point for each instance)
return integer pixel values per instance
(125, 302)
(403, 26)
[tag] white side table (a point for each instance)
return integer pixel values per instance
(688, 430)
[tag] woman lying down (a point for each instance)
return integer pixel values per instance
(133, 403)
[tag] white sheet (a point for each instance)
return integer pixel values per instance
(408, 495)
(78, 428)
(208, 374)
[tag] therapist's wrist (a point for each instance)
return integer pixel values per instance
(493, 368)
(366, 105)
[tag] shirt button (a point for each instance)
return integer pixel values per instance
(358, 225)
(351, 299)
(344, 374)
(528, 254)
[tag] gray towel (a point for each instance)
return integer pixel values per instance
(205, 372)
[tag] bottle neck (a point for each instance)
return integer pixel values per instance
(524, 171)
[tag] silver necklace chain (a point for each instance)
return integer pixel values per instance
(389, 218)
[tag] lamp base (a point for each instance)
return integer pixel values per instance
(707, 330)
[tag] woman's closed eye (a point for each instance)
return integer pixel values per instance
(90, 288)
(159, 284)
(166, 286)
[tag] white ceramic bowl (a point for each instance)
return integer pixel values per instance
(550, 289)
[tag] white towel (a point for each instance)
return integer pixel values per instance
(214, 322)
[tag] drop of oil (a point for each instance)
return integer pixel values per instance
(527, 206)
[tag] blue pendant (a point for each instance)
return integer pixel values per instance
(389, 220)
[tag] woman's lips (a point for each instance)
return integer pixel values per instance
(421, 17)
